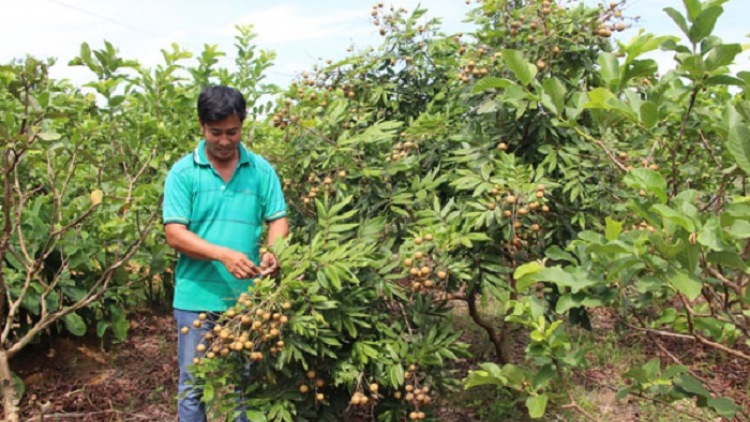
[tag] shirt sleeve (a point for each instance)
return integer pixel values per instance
(274, 202)
(178, 200)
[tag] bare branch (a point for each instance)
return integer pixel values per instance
(705, 341)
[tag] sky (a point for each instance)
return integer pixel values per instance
(300, 32)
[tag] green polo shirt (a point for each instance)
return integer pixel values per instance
(227, 214)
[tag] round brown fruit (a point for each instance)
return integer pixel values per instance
(492, 206)
(304, 388)
(408, 262)
(419, 255)
(185, 330)
(320, 397)
(442, 275)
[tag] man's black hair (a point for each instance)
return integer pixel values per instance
(218, 102)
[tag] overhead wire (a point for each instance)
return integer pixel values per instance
(108, 19)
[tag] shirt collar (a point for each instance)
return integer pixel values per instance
(200, 158)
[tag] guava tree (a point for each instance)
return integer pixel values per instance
(74, 212)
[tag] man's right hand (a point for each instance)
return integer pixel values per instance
(239, 265)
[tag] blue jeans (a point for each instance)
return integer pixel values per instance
(189, 405)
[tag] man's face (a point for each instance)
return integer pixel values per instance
(222, 138)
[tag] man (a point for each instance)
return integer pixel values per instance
(215, 202)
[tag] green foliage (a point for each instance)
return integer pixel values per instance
(531, 161)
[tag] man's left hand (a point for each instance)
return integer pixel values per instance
(268, 264)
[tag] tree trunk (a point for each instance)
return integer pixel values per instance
(10, 394)
(502, 352)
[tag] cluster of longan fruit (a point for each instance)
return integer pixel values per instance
(316, 184)
(360, 399)
(414, 394)
(313, 383)
(519, 208)
(401, 150)
(247, 329)
(420, 273)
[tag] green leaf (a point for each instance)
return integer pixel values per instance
(75, 324)
(599, 97)
(723, 406)
(543, 377)
(524, 71)
(537, 405)
(649, 115)
(643, 43)
(704, 24)
(256, 416)
(20, 386)
(613, 229)
(678, 19)
(693, 8)
(562, 278)
(648, 180)
(710, 235)
(101, 328)
(557, 254)
(477, 378)
(555, 91)
(491, 82)
(739, 229)
(208, 392)
(397, 376)
(488, 106)
(527, 269)
(722, 55)
(120, 324)
(685, 283)
(675, 217)
(692, 386)
(49, 136)
(739, 146)
(610, 70)
(727, 259)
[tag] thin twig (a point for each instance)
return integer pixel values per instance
(703, 340)
(710, 150)
(573, 404)
(685, 120)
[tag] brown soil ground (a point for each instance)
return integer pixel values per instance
(76, 379)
